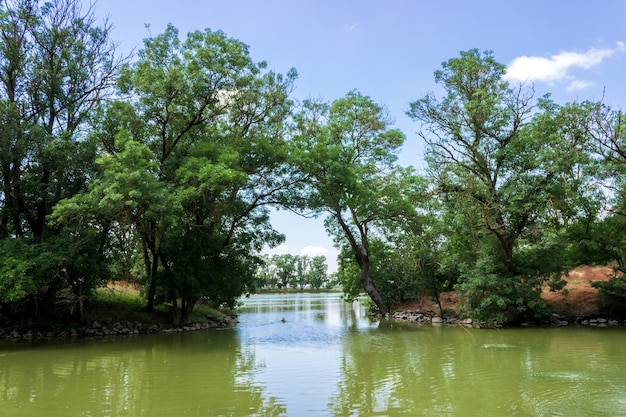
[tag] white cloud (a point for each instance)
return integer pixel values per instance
(556, 68)
(313, 250)
(578, 85)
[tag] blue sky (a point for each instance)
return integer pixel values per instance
(389, 50)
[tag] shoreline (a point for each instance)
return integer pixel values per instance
(127, 328)
(556, 320)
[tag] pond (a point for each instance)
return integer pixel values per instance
(315, 355)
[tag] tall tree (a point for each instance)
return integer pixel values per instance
(56, 65)
(508, 170)
(349, 154)
(285, 270)
(316, 274)
(206, 129)
(601, 239)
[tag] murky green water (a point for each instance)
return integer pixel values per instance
(325, 359)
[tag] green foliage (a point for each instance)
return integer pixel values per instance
(194, 164)
(40, 270)
(292, 271)
(57, 64)
(173, 184)
(126, 305)
(316, 272)
(394, 280)
(614, 287)
(16, 270)
(498, 297)
(508, 172)
(348, 274)
(407, 264)
(348, 154)
(599, 239)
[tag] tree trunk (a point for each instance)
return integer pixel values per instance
(188, 303)
(507, 248)
(362, 259)
(152, 268)
(368, 285)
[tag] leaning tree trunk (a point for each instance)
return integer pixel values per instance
(368, 285)
(362, 258)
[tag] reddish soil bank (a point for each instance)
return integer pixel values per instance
(577, 299)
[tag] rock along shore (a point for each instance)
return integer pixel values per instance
(556, 320)
(96, 329)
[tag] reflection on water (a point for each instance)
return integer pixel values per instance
(314, 355)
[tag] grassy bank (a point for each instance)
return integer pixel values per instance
(115, 309)
(113, 303)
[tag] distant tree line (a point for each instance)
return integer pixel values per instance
(299, 272)
(162, 168)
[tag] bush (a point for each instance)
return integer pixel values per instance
(502, 298)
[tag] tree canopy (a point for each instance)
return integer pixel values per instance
(349, 155)
(162, 168)
(507, 169)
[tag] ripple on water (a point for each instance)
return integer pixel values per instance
(292, 334)
(498, 346)
(562, 375)
(570, 393)
(575, 403)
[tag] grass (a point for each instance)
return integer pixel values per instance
(110, 305)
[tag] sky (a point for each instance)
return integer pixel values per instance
(388, 50)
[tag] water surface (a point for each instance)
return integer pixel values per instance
(314, 355)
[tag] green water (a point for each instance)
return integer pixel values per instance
(325, 359)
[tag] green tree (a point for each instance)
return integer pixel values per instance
(508, 171)
(195, 157)
(416, 257)
(295, 271)
(600, 239)
(127, 197)
(302, 266)
(56, 65)
(349, 155)
(285, 270)
(266, 273)
(316, 274)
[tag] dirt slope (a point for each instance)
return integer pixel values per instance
(577, 299)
